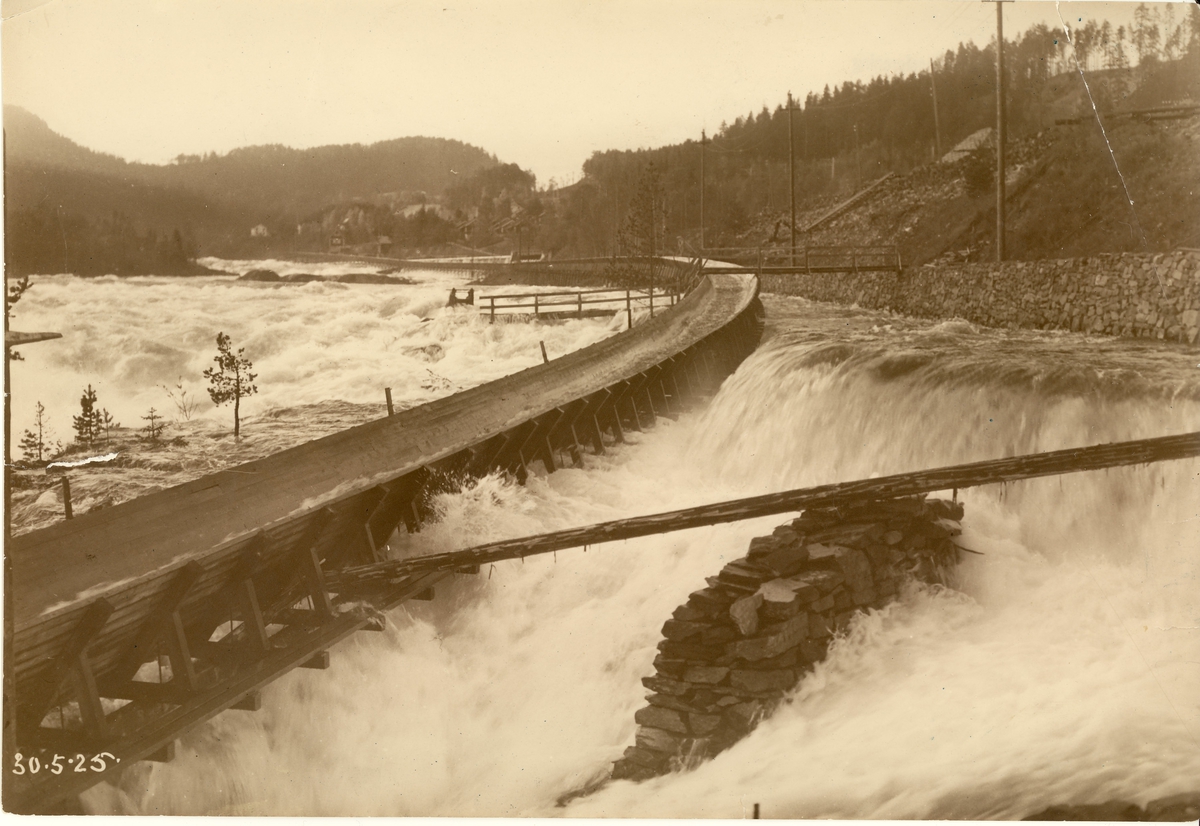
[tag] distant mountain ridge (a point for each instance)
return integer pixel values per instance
(212, 201)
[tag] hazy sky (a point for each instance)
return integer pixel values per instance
(539, 83)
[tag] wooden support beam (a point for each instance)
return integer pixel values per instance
(91, 708)
(252, 618)
(642, 390)
(246, 597)
(993, 471)
(152, 630)
(484, 456)
(164, 755)
(183, 670)
(509, 458)
(68, 663)
(167, 693)
(251, 702)
(589, 422)
(310, 567)
(298, 616)
(672, 397)
(536, 444)
(564, 433)
(399, 505)
(619, 397)
(319, 661)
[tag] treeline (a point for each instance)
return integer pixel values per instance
(848, 135)
(45, 240)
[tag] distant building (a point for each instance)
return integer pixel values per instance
(969, 144)
(259, 231)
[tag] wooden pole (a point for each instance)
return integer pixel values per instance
(387, 392)
(937, 129)
(857, 157)
(703, 144)
(792, 173)
(545, 358)
(1001, 130)
(988, 472)
(66, 490)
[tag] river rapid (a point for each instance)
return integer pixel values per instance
(1064, 668)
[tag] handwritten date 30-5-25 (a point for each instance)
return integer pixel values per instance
(60, 763)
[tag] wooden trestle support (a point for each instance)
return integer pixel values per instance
(124, 674)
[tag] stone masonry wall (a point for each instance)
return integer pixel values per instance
(736, 648)
(1126, 294)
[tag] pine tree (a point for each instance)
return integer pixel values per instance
(108, 423)
(89, 423)
(231, 379)
(35, 444)
(155, 425)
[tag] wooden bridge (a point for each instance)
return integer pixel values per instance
(227, 578)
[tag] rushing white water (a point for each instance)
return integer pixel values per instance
(323, 353)
(1065, 668)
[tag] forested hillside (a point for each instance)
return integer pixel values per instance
(69, 208)
(847, 136)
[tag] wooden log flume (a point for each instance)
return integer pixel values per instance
(992, 471)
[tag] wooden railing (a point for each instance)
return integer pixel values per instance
(567, 303)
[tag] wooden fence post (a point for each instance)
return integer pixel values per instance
(545, 358)
(387, 392)
(66, 486)
(629, 309)
(492, 299)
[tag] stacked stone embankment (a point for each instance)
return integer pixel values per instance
(738, 647)
(1126, 294)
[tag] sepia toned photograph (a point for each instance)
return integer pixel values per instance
(672, 409)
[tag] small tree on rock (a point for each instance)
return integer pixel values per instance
(108, 423)
(231, 379)
(89, 424)
(35, 444)
(154, 425)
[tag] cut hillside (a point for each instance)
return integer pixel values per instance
(1065, 197)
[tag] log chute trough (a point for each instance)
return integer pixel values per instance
(250, 549)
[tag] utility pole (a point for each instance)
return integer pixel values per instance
(703, 144)
(1001, 129)
(792, 172)
(857, 156)
(937, 129)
